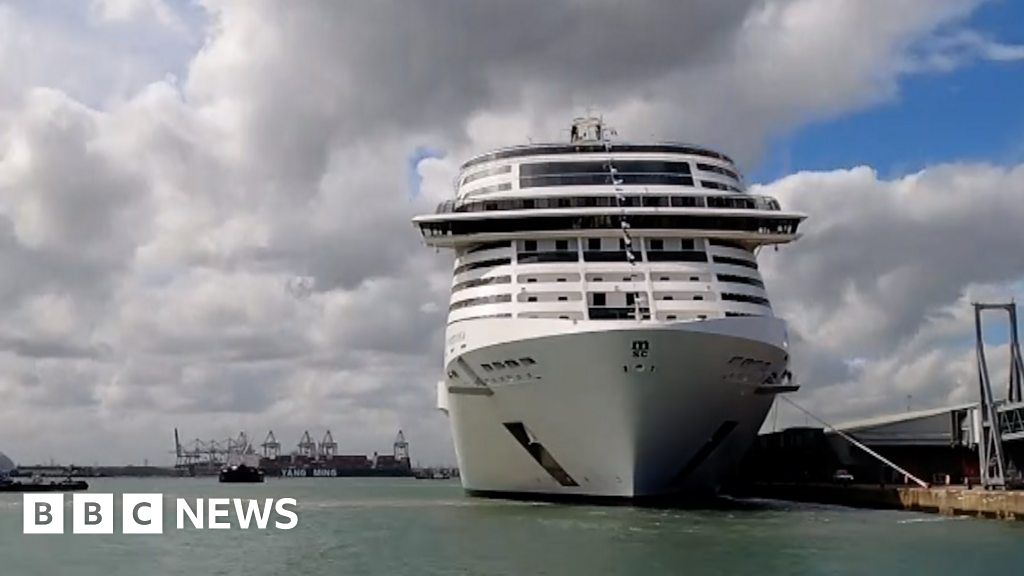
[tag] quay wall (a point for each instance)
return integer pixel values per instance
(951, 500)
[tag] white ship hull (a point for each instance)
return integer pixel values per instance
(609, 332)
(620, 409)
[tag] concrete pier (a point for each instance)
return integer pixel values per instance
(952, 500)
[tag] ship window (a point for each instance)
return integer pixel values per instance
(486, 367)
(488, 189)
(657, 244)
(560, 280)
(740, 280)
(596, 173)
(563, 298)
(531, 298)
(468, 205)
(655, 201)
(599, 299)
(698, 297)
(630, 298)
(694, 278)
(663, 278)
(677, 256)
(528, 361)
(713, 185)
(511, 364)
(670, 317)
(563, 317)
(736, 202)
(597, 279)
(756, 224)
(482, 264)
(486, 172)
(735, 262)
(686, 244)
(702, 316)
(717, 170)
(481, 282)
(530, 246)
(480, 301)
(668, 298)
(745, 298)
(685, 201)
(593, 244)
(531, 280)
(561, 244)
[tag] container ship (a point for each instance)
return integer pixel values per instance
(311, 459)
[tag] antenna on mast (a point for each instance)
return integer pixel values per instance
(586, 129)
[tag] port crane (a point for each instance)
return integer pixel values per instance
(271, 447)
(307, 446)
(328, 447)
(401, 447)
(209, 454)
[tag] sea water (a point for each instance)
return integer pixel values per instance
(420, 527)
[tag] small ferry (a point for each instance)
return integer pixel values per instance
(241, 474)
(36, 484)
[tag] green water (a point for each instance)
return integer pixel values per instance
(399, 526)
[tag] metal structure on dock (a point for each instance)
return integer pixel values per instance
(208, 456)
(328, 447)
(401, 447)
(307, 446)
(271, 447)
(998, 417)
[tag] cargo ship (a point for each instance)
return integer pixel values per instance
(323, 461)
(311, 459)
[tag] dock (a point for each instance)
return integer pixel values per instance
(948, 500)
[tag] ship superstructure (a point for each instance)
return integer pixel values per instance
(609, 333)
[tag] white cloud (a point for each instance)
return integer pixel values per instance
(952, 50)
(152, 230)
(885, 273)
(135, 12)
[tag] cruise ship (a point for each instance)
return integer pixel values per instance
(608, 334)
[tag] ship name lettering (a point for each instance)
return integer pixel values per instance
(641, 348)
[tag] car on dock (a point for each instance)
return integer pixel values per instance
(842, 476)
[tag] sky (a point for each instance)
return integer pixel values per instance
(204, 205)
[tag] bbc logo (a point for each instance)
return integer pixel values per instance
(144, 513)
(93, 514)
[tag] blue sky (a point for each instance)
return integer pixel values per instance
(973, 113)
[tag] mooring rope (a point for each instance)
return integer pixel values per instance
(856, 442)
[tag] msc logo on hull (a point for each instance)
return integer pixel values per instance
(641, 348)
